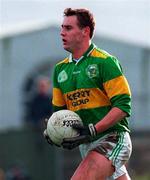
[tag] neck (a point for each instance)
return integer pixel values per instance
(81, 50)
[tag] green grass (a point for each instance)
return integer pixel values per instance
(144, 177)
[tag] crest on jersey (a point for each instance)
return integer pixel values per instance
(62, 76)
(92, 70)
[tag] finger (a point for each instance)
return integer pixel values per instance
(74, 139)
(78, 126)
(45, 122)
(70, 140)
(45, 133)
(69, 146)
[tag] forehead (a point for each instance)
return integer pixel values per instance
(70, 20)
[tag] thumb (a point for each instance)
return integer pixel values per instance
(78, 126)
(45, 122)
(45, 133)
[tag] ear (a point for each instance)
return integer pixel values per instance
(86, 31)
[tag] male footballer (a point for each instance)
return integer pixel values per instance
(91, 83)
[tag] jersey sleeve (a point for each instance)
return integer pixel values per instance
(115, 85)
(58, 100)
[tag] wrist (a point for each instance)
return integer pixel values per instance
(92, 129)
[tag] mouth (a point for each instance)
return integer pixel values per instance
(64, 41)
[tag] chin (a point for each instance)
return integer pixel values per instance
(67, 48)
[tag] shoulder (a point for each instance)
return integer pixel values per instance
(102, 54)
(64, 61)
(99, 53)
(61, 65)
(105, 58)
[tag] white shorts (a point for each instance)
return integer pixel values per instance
(116, 146)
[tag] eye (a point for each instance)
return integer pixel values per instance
(68, 28)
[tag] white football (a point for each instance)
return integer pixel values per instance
(59, 125)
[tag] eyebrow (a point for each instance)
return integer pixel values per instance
(66, 26)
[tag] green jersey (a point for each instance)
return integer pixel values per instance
(91, 86)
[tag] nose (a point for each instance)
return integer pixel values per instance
(62, 33)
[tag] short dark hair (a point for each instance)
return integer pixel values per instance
(84, 16)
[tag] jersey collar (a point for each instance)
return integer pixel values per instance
(86, 54)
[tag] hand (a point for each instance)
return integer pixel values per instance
(47, 137)
(49, 141)
(86, 134)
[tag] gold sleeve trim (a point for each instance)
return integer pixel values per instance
(58, 99)
(117, 86)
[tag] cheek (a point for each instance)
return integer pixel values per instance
(77, 37)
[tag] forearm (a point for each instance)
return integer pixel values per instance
(114, 115)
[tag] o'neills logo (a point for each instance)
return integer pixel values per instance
(79, 97)
(62, 76)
